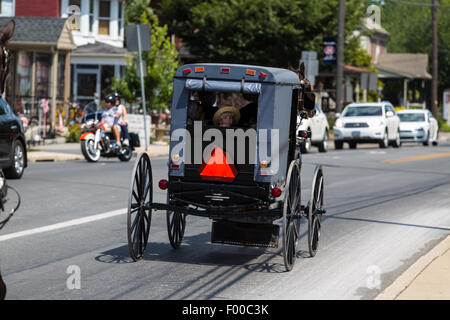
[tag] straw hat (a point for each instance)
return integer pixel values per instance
(228, 109)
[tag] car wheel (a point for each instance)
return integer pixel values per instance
(338, 145)
(385, 142)
(428, 142)
(436, 142)
(323, 146)
(397, 143)
(352, 145)
(17, 161)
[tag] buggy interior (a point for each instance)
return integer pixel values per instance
(210, 107)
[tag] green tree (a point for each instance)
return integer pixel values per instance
(410, 28)
(264, 32)
(161, 60)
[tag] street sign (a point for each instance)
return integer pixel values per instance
(138, 39)
(329, 51)
(309, 58)
(132, 37)
(364, 81)
(373, 79)
(446, 106)
(135, 124)
(309, 55)
(348, 90)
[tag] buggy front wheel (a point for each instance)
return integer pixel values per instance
(139, 213)
(291, 215)
(315, 211)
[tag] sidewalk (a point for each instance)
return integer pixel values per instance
(59, 150)
(427, 279)
(444, 136)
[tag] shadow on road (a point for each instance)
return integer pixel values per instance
(230, 264)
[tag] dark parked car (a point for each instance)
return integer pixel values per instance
(13, 153)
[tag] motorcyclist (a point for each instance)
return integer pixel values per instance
(121, 119)
(109, 116)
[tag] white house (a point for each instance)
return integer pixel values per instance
(98, 32)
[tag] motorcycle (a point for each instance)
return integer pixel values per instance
(97, 141)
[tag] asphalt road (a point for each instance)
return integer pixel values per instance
(381, 217)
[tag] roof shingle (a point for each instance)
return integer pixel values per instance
(35, 29)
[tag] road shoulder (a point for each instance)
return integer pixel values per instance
(427, 279)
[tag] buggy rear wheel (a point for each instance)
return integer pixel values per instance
(176, 224)
(291, 215)
(315, 211)
(139, 213)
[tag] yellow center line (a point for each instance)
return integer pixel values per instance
(416, 158)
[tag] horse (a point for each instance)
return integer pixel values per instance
(5, 34)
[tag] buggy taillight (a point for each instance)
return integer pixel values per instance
(276, 192)
(163, 184)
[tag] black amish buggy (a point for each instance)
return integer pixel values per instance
(234, 158)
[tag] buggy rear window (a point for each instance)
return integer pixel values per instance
(223, 86)
(212, 107)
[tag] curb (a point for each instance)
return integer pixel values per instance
(407, 278)
(43, 156)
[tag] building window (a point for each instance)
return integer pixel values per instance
(104, 17)
(107, 74)
(24, 61)
(43, 62)
(61, 74)
(91, 16)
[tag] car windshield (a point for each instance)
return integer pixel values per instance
(363, 111)
(411, 117)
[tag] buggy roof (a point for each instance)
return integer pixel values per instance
(226, 71)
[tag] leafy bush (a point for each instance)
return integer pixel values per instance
(74, 133)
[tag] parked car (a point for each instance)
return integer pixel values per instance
(367, 123)
(318, 125)
(13, 151)
(418, 126)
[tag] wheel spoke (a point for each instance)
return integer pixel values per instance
(146, 190)
(146, 218)
(133, 226)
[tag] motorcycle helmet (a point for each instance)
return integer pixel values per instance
(110, 98)
(116, 95)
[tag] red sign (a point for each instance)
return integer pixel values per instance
(217, 167)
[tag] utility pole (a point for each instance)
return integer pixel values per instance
(434, 83)
(340, 57)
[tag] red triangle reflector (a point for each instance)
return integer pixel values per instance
(217, 167)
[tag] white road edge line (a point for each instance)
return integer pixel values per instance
(61, 225)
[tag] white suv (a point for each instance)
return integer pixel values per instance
(367, 123)
(318, 125)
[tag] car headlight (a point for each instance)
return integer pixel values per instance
(376, 123)
(420, 129)
(338, 123)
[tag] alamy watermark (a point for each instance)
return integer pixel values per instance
(73, 282)
(251, 144)
(374, 14)
(73, 21)
(374, 279)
